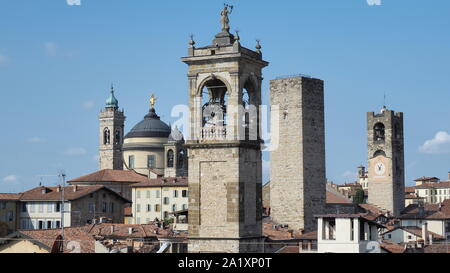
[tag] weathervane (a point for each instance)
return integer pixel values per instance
(224, 19)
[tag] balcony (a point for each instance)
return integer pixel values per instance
(214, 133)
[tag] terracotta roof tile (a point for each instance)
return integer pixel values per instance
(112, 176)
(163, 182)
(10, 196)
(392, 247)
(336, 199)
(52, 193)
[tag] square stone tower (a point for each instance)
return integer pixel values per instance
(297, 161)
(224, 145)
(111, 130)
(386, 160)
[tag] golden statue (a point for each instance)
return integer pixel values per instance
(152, 101)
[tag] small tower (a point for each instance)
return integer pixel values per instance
(386, 160)
(111, 130)
(224, 145)
(175, 155)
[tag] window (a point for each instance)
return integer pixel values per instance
(138, 220)
(409, 237)
(166, 215)
(158, 193)
(184, 207)
(175, 193)
(389, 236)
(149, 208)
(104, 207)
(138, 208)
(117, 137)
(31, 207)
(131, 161)
(23, 224)
(91, 207)
(138, 194)
(166, 200)
(170, 159)
(106, 136)
(352, 230)
(58, 224)
(379, 132)
(157, 208)
(24, 207)
(151, 163)
(49, 207)
(41, 207)
(148, 194)
(2, 205)
(181, 157)
(184, 193)
(49, 224)
(10, 216)
(41, 224)
(174, 207)
(111, 207)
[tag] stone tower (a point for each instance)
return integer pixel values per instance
(224, 145)
(111, 130)
(386, 160)
(297, 170)
(175, 155)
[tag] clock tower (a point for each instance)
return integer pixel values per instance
(386, 160)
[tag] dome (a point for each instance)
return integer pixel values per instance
(151, 126)
(176, 135)
(112, 101)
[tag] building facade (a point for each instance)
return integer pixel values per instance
(297, 176)
(386, 160)
(8, 212)
(158, 199)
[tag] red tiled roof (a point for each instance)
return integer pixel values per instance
(437, 248)
(430, 211)
(336, 199)
(392, 247)
(52, 194)
(289, 249)
(112, 176)
(72, 234)
(426, 178)
(410, 189)
(10, 196)
(163, 182)
(434, 185)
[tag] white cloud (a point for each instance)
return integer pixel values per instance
(4, 60)
(350, 175)
(440, 144)
(73, 2)
(51, 48)
(374, 2)
(10, 178)
(77, 151)
(35, 140)
(88, 105)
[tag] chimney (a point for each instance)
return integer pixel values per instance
(112, 229)
(424, 233)
(75, 188)
(43, 190)
(430, 239)
(58, 189)
(291, 233)
(130, 230)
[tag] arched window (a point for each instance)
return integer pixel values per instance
(181, 158)
(170, 159)
(379, 132)
(214, 99)
(117, 137)
(106, 136)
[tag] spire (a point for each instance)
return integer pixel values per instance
(112, 102)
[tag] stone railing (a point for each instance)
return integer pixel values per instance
(214, 133)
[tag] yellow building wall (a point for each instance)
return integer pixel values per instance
(22, 246)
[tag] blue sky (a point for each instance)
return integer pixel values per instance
(57, 62)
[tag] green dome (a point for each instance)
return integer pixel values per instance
(112, 101)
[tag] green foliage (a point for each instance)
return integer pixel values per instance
(359, 197)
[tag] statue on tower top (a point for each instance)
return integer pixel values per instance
(224, 17)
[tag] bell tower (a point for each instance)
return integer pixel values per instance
(386, 160)
(111, 129)
(224, 144)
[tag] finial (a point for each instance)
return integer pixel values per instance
(152, 101)
(224, 17)
(112, 88)
(236, 37)
(191, 41)
(258, 46)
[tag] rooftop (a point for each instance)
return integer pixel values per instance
(111, 176)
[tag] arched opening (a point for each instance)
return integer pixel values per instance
(379, 132)
(181, 158)
(106, 136)
(378, 153)
(250, 115)
(117, 137)
(170, 159)
(214, 108)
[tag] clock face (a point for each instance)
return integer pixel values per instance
(380, 168)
